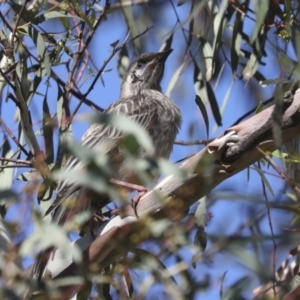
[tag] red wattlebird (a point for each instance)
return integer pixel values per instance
(142, 100)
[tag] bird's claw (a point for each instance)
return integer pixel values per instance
(136, 199)
(229, 139)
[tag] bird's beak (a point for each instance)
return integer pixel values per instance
(161, 57)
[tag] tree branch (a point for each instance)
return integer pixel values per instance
(172, 196)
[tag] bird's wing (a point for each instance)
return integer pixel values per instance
(104, 139)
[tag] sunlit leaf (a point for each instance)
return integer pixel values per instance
(174, 79)
(6, 174)
(125, 125)
(207, 52)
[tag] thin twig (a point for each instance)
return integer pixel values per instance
(13, 166)
(17, 24)
(271, 228)
(17, 161)
(78, 55)
(196, 142)
(282, 173)
(115, 50)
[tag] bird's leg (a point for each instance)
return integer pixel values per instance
(141, 191)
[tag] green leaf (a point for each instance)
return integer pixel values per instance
(264, 179)
(65, 129)
(235, 290)
(277, 117)
(32, 175)
(54, 14)
(251, 67)
(203, 112)
(123, 62)
(91, 180)
(259, 108)
(146, 260)
(6, 174)
(236, 42)
(214, 104)
(168, 168)
(40, 241)
(48, 132)
(274, 81)
(27, 15)
(126, 125)
(40, 44)
(167, 43)
(5, 194)
(262, 8)
(200, 240)
(114, 44)
(174, 79)
(131, 23)
(207, 52)
(220, 22)
(180, 2)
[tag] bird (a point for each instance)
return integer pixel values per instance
(142, 100)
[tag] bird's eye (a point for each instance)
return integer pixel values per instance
(140, 64)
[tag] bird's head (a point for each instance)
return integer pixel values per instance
(145, 72)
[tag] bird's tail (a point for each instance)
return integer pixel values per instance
(72, 205)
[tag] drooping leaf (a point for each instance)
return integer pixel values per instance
(54, 14)
(174, 79)
(200, 239)
(167, 43)
(6, 174)
(219, 25)
(132, 24)
(262, 8)
(48, 132)
(40, 44)
(277, 117)
(123, 62)
(264, 179)
(236, 42)
(251, 66)
(207, 52)
(149, 260)
(214, 104)
(203, 112)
